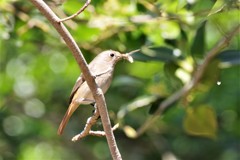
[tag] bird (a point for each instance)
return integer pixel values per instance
(102, 68)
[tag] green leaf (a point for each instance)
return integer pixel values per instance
(210, 76)
(150, 69)
(126, 81)
(136, 104)
(201, 121)
(72, 6)
(218, 7)
(198, 46)
(85, 33)
(229, 58)
(163, 54)
(170, 72)
(203, 6)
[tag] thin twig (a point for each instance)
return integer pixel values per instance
(224, 42)
(77, 13)
(96, 91)
(102, 133)
(134, 51)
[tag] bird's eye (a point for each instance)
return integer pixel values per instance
(112, 54)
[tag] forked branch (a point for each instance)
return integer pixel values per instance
(77, 13)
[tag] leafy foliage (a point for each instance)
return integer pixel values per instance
(37, 73)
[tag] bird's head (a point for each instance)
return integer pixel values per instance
(112, 57)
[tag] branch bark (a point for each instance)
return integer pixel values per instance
(77, 13)
(96, 91)
(224, 42)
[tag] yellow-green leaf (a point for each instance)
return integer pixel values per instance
(201, 121)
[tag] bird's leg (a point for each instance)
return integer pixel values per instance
(95, 109)
(93, 104)
(90, 122)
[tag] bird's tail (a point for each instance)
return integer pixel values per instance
(68, 114)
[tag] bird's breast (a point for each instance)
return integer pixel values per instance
(84, 92)
(104, 81)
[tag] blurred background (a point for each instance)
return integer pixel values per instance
(37, 73)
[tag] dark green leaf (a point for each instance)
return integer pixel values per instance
(173, 80)
(155, 105)
(163, 54)
(126, 81)
(229, 57)
(198, 46)
(137, 103)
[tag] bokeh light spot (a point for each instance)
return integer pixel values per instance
(24, 87)
(13, 125)
(43, 149)
(58, 63)
(15, 68)
(183, 75)
(34, 108)
(177, 52)
(169, 156)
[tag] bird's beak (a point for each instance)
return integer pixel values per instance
(127, 57)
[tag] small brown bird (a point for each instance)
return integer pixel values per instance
(102, 67)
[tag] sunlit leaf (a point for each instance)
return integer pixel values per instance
(85, 33)
(169, 30)
(201, 121)
(218, 6)
(72, 6)
(203, 7)
(221, 24)
(150, 68)
(181, 4)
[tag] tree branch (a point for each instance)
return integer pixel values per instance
(87, 129)
(224, 42)
(102, 133)
(77, 13)
(96, 91)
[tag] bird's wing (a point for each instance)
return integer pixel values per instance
(104, 72)
(78, 83)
